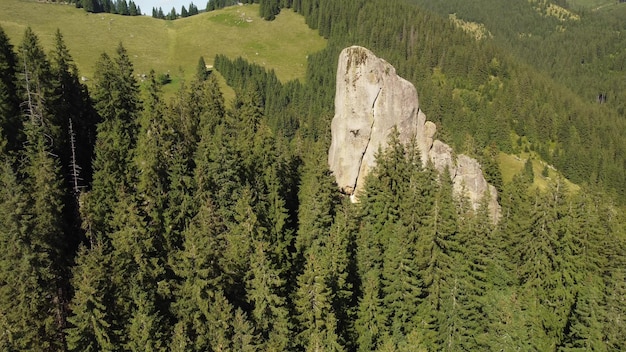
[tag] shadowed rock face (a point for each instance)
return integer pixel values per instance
(370, 100)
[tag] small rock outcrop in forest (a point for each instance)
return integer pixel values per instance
(370, 100)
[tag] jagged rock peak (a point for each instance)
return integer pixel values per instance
(370, 100)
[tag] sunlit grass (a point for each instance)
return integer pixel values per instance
(169, 46)
(591, 4)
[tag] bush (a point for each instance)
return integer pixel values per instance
(164, 78)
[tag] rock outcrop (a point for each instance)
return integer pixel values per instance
(370, 100)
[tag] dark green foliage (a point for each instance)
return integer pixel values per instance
(277, 100)
(133, 9)
(28, 268)
(313, 302)
(193, 9)
(78, 125)
(218, 4)
(10, 122)
(184, 12)
(528, 172)
(201, 70)
(120, 7)
(116, 96)
(92, 326)
(264, 288)
(198, 273)
(269, 9)
(209, 228)
(172, 15)
(318, 200)
(158, 13)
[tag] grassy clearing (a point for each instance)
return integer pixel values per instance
(169, 46)
(511, 165)
(590, 4)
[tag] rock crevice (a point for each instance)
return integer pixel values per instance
(370, 100)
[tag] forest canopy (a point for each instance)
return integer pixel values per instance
(130, 222)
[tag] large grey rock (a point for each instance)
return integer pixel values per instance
(370, 100)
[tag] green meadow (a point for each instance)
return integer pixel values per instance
(591, 4)
(172, 47)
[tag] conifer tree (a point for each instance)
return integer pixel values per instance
(318, 200)
(145, 331)
(72, 102)
(219, 317)
(206, 104)
(201, 70)
(36, 74)
(198, 273)
(342, 277)
(155, 142)
(116, 96)
(264, 287)
(269, 9)
(172, 15)
(133, 10)
(92, 322)
(193, 9)
(478, 254)
(10, 122)
(370, 322)
(613, 324)
(544, 271)
(138, 269)
(122, 7)
(318, 323)
(401, 283)
(26, 283)
(244, 339)
(584, 332)
(439, 247)
(33, 228)
(272, 177)
(43, 181)
(242, 230)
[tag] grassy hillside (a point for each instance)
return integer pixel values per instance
(591, 4)
(169, 46)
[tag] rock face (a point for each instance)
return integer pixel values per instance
(370, 100)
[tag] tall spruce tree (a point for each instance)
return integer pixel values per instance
(138, 269)
(26, 283)
(92, 325)
(318, 199)
(401, 283)
(269, 9)
(318, 322)
(116, 96)
(198, 279)
(264, 292)
(43, 181)
(10, 121)
(439, 246)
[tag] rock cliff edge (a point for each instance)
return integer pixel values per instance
(370, 100)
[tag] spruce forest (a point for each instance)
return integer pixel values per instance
(134, 222)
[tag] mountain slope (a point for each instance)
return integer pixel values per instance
(282, 45)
